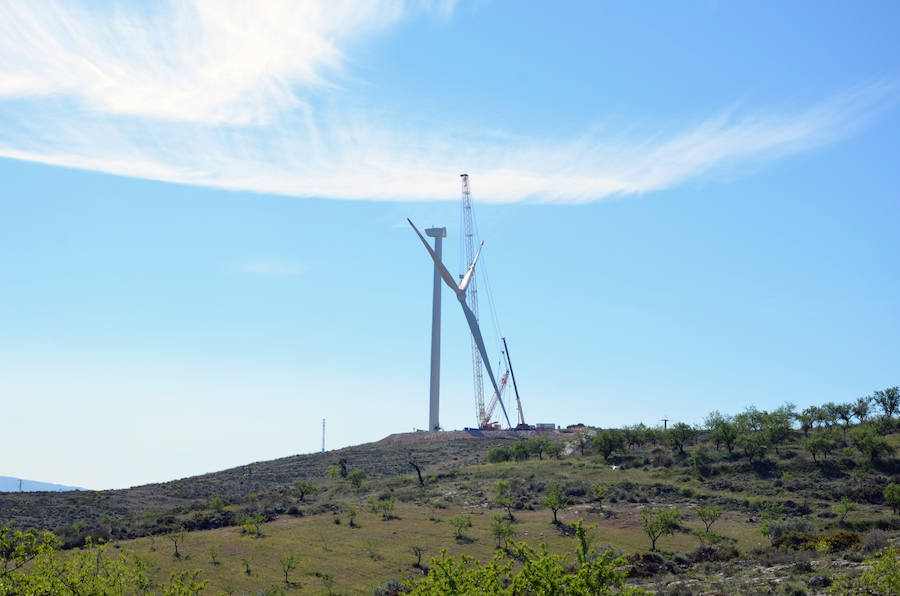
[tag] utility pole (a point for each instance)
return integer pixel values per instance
(323, 435)
(665, 421)
(434, 397)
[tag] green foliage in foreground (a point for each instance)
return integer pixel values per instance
(882, 577)
(33, 565)
(522, 570)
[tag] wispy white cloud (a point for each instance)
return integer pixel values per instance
(270, 267)
(219, 94)
(214, 61)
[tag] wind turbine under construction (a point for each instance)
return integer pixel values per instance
(471, 319)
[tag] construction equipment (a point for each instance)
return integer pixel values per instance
(468, 226)
(522, 424)
(486, 423)
(467, 293)
(460, 291)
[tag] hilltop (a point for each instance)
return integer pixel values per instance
(746, 504)
(435, 452)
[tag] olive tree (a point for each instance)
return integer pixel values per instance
(555, 500)
(888, 400)
(659, 522)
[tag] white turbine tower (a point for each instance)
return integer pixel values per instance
(434, 395)
(460, 291)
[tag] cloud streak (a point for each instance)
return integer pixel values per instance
(270, 268)
(219, 95)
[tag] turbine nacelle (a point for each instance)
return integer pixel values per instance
(459, 290)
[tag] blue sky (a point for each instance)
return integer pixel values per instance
(203, 247)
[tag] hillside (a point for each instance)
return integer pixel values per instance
(435, 453)
(787, 513)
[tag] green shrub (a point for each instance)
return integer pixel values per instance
(496, 455)
(832, 543)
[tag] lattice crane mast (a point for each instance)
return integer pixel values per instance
(472, 295)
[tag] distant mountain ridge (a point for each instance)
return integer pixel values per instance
(8, 484)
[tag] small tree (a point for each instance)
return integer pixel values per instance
(417, 552)
(892, 496)
(251, 523)
(520, 451)
(460, 523)
(659, 522)
(869, 443)
(554, 449)
(502, 529)
(888, 400)
(607, 441)
(634, 435)
(821, 443)
(214, 556)
(598, 493)
(177, 537)
(504, 498)
(385, 507)
(709, 515)
(305, 488)
(538, 445)
(777, 426)
(806, 420)
(843, 508)
(333, 472)
(554, 500)
(861, 408)
(351, 515)
(844, 412)
(680, 435)
(288, 563)
(496, 455)
(356, 478)
(410, 458)
(582, 439)
(754, 444)
(722, 430)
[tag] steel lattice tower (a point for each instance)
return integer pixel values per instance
(472, 296)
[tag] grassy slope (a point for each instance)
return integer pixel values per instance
(362, 558)
(346, 553)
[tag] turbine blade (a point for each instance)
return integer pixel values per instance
(468, 276)
(448, 279)
(479, 341)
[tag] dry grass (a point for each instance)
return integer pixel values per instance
(378, 551)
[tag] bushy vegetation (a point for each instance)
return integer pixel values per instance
(523, 570)
(781, 489)
(33, 564)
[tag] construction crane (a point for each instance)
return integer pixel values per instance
(472, 295)
(509, 369)
(485, 423)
